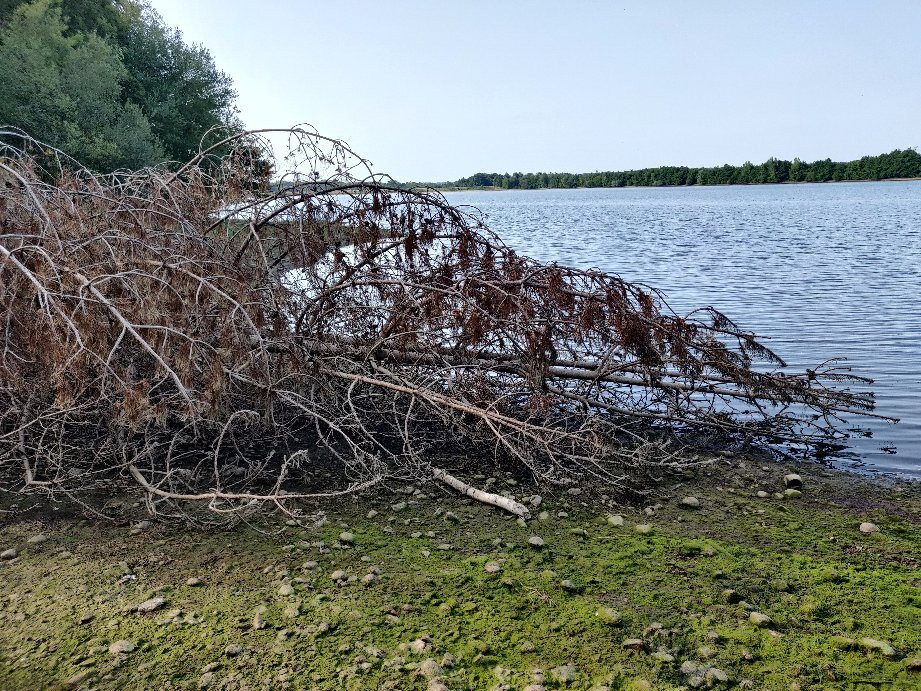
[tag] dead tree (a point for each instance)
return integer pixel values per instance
(209, 333)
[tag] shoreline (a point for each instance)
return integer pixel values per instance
(417, 588)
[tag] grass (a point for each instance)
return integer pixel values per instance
(434, 615)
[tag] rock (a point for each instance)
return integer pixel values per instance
(419, 646)
(399, 506)
(570, 586)
(609, 616)
(233, 650)
(688, 667)
(543, 516)
(636, 644)
(87, 618)
(286, 590)
(615, 520)
(492, 567)
(843, 643)
(258, 621)
(716, 675)
(37, 539)
(193, 582)
(663, 656)
(8, 554)
(731, 596)
(535, 542)
(690, 503)
(914, 665)
(536, 500)
(791, 493)
(643, 528)
(760, 620)
(346, 538)
(78, 679)
(564, 674)
(579, 532)
(883, 648)
(309, 565)
(528, 647)
(435, 685)
(705, 653)
(122, 647)
(535, 687)
(792, 480)
(865, 528)
(368, 578)
(451, 516)
(429, 668)
(151, 605)
(762, 494)
(372, 513)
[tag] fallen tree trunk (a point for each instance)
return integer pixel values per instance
(198, 333)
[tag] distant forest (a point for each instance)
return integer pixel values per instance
(901, 163)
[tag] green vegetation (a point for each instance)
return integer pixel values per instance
(107, 82)
(901, 163)
(434, 591)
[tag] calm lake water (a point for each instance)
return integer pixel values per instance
(823, 270)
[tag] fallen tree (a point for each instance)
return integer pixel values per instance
(209, 333)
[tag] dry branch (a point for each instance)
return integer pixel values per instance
(208, 335)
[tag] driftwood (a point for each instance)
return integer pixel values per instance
(209, 332)
(504, 503)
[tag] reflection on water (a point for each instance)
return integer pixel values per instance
(824, 270)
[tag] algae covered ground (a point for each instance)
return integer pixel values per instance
(416, 588)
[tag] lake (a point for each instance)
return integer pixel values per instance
(818, 270)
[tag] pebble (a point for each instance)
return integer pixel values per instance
(716, 674)
(865, 528)
(193, 582)
(882, 647)
(791, 493)
(528, 647)
(346, 538)
(122, 647)
(914, 665)
(634, 644)
(87, 618)
(309, 565)
(151, 605)
(8, 554)
(286, 590)
(760, 620)
(233, 650)
(399, 506)
(690, 503)
(609, 616)
(429, 668)
(643, 528)
(536, 500)
(793, 480)
(258, 621)
(535, 542)
(368, 578)
(615, 520)
(492, 567)
(543, 516)
(338, 575)
(206, 680)
(762, 494)
(37, 539)
(570, 586)
(663, 656)
(564, 674)
(731, 596)
(435, 685)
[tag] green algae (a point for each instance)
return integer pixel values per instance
(800, 561)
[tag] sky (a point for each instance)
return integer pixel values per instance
(433, 90)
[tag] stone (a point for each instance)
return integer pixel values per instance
(715, 674)
(881, 647)
(791, 493)
(8, 554)
(151, 605)
(615, 520)
(643, 528)
(609, 616)
(528, 647)
(792, 480)
(663, 656)
(193, 582)
(843, 642)
(689, 667)
(122, 647)
(637, 644)
(535, 542)
(346, 538)
(429, 668)
(914, 665)
(87, 618)
(419, 646)
(492, 567)
(309, 565)
(536, 500)
(543, 516)
(77, 679)
(368, 578)
(37, 539)
(233, 650)
(865, 528)
(762, 494)
(564, 674)
(731, 596)
(435, 685)
(570, 586)
(286, 590)
(258, 621)
(760, 620)
(399, 506)
(690, 503)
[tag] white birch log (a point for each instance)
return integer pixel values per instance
(509, 505)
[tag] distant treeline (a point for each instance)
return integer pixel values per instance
(901, 163)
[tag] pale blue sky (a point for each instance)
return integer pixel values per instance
(434, 90)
